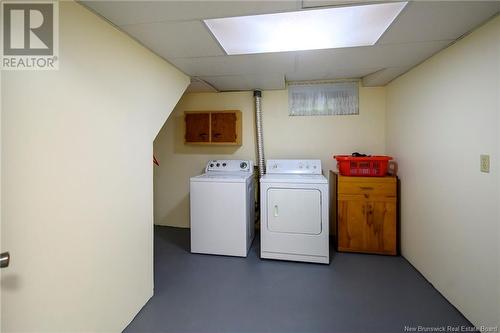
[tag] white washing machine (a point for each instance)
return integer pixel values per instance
(294, 211)
(223, 208)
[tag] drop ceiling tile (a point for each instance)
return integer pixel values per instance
(379, 56)
(384, 76)
(438, 20)
(330, 3)
(335, 72)
(246, 82)
(176, 39)
(133, 12)
(236, 65)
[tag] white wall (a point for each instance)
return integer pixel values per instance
(440, 117)
(77, 190)
(284, 137)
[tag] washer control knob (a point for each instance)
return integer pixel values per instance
(243, 165)
(223, 164)
(211, 165)
(218, 164)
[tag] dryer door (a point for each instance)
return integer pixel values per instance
(294, 210)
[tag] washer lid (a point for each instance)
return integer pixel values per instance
(223, 177)
(294, 178)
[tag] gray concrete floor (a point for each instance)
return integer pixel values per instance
(355, 293)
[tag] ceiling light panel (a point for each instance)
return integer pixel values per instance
(305, 30)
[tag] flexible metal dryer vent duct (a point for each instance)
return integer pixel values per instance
(257, 94)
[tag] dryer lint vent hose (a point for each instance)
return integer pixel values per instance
(257, 94)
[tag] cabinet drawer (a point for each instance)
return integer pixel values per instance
(375, 188)
(368, 197)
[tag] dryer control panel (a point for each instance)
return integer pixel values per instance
(229, 166)
(310, 167)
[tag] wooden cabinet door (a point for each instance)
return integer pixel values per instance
(367, 225)
(223, 126)
(351, 223)
(380, 231)
(197, 127)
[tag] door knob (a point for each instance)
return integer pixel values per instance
(4, 259)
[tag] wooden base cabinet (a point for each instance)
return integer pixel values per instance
(366, 214)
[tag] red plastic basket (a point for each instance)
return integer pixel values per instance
(372, 166)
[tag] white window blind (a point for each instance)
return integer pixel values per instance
(323, 99)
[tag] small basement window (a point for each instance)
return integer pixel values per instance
(323, 99)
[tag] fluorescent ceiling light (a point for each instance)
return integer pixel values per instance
(305, 30)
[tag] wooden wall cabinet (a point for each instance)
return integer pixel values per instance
(213, 127)
(366, 214)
